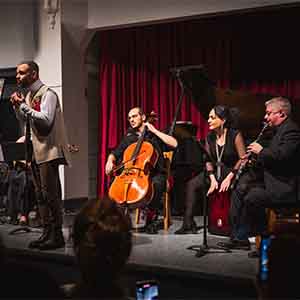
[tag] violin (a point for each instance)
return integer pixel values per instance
(133, 187)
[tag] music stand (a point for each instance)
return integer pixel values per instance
(195, 80)
(12, 151)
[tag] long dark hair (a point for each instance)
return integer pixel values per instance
(229, 114)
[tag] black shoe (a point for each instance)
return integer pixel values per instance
(235, 244)
(55, 241)
(13, 220)
(44, 237)
(159, 224)
(151, 228)
(187, 229)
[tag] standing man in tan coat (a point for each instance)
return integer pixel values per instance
(42, 109)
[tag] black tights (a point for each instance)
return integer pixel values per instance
(193, 186)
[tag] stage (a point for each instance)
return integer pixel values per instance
(166, 257)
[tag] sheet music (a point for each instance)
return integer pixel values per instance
(2, 80)
(1, 154)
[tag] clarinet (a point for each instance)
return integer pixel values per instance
(244, 164)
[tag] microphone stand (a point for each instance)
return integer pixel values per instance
(204, 249)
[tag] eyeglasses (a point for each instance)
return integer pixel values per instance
(268, 113)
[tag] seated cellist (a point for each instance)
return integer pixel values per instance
(160, 142)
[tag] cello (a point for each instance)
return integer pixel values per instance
(133, 187)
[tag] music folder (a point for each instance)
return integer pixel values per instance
(1, 154)
(11, 151)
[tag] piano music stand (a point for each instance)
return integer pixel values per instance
(195, 80)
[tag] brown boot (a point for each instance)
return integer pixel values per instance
(55, 240)
(43, 237)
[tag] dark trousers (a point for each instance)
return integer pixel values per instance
(48, 192)
(15, 194)
(247, 209)
(20, 198)
(160, 184)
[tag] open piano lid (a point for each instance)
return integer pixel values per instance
(206, 95)
(194, 79)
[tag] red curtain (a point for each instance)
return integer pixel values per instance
(237, 52)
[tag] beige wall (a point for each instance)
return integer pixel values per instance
(103, 13)
(16, 32)
(74, 81)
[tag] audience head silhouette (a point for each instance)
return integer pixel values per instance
(102, 242)
(284, 264)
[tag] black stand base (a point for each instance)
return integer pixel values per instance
(202, 250)
(2, 220)
(25, 229)
(20, 229)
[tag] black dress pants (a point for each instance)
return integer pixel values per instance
(48, 192)
(247, 206)
(160, 183)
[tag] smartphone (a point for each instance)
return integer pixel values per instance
(147, 290)
(265, 243)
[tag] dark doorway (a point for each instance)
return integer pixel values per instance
(9, 125)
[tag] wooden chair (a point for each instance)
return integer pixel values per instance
(166, 201)
(280, 219)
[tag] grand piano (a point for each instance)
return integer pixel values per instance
(187, 158)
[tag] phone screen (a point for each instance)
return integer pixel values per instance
(147, 290)
(264, 258)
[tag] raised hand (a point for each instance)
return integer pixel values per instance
(150, 127)
(16, 99)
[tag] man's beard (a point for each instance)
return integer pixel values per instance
(21, 88)
(22, 85)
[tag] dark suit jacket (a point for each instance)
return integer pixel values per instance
(281, 163)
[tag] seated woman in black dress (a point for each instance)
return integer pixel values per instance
(225, 146)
